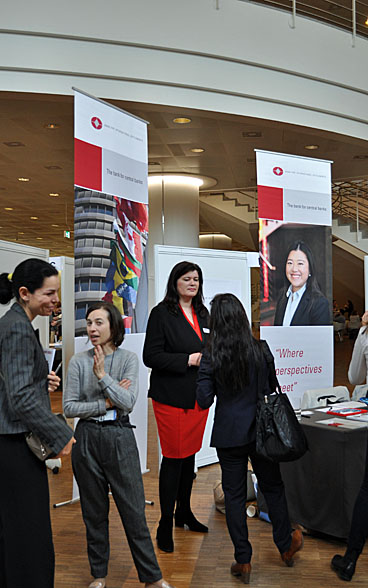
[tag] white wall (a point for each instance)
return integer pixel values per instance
(243, 59)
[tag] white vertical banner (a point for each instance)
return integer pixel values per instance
(110, 149)
(294, 200)
(111, 227)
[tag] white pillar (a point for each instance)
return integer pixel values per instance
(173, 216)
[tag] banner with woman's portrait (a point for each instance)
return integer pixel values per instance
(294, 195)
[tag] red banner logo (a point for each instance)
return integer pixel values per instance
(96, 123)
(278, 171)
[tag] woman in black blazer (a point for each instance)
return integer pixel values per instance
(301, 302)
(175, 338)
(230, 368)
(26, 548)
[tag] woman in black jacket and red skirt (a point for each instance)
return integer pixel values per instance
(176, 335)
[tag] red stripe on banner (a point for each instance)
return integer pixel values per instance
(87, 165)
(270, 203)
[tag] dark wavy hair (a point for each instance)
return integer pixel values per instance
(171, 299)
(30, 273)
(117, 328)
(232, 347)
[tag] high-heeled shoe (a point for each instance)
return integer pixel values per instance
(343, 566)
(164, 536)
(188, 519)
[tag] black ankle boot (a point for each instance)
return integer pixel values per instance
(164, 536)
(187, 518)
(343, 566)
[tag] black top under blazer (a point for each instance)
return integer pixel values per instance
(235, 416)
(24, 398)
(170, 339)
(306, 314)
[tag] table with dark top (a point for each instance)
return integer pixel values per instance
(321, 487)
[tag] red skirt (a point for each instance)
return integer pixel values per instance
(180, 429)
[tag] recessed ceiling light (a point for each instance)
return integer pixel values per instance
(52, 126)
(55, 225)
(154, 163)
(53, 167)
(14, 144)
(20, 233)
(182, 120)
(197, 150)
(251, 134)
(366, 22)
(54, 194)
(39, 238)
(311, 147)
(8, 208)
(33, 217)
(24, 179)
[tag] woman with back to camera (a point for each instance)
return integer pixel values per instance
(301, 302)
(176, 335)
(101, 389)
(230, 368)
(345, 565)
(26, 547)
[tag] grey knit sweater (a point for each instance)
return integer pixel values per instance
(85, 395)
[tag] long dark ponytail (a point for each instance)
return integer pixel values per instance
(232, 347)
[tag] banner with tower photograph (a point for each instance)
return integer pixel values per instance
(111, 210)
(294, 201)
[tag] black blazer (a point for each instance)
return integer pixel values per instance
(235, 416)
(169, 341)
(24, 399)
(317, 314)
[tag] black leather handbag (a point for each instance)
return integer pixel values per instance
(279, 435)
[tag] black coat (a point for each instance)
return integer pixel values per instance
(235, 415)
(170, 340)
(316, 313)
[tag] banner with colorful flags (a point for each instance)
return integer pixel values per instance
(111, 210)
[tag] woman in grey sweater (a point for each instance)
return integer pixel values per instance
(101, 390)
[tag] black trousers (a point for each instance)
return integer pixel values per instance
(234, 466)
(359, 524)
(107, 455)
(26, 548)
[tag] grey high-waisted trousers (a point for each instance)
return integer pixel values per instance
(106, 455)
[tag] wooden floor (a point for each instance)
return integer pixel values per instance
(199, 560)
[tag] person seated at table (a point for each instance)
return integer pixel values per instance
(339, 318)
(344, 565)
(229, 370)
(354, 324)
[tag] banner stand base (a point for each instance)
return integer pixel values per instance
(77, 499)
